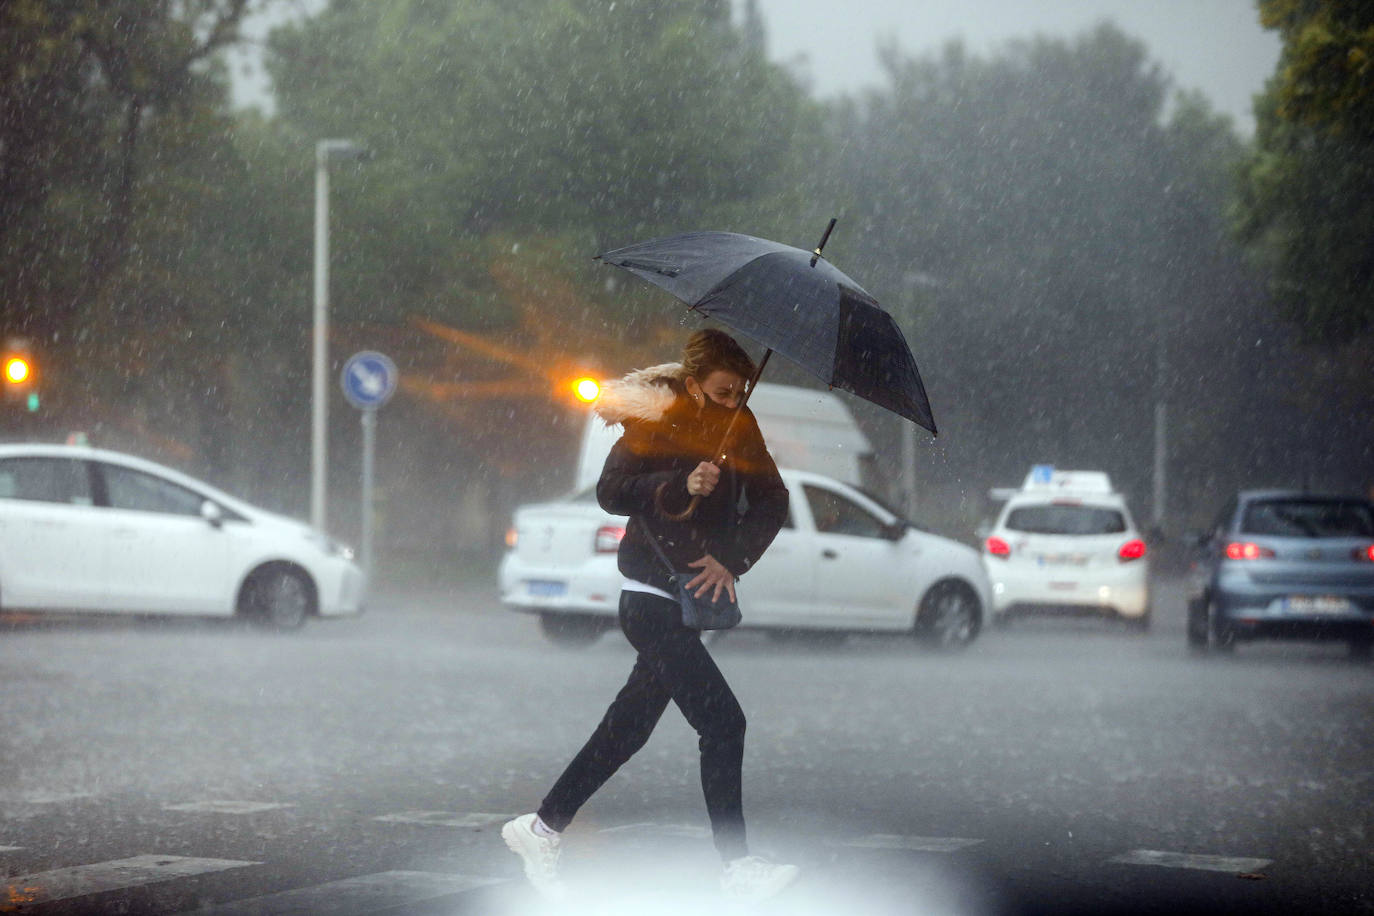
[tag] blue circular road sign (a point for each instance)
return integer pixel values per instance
(369, 379)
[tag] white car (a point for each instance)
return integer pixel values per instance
(842, 563)
(89, 530)
(1066, 543)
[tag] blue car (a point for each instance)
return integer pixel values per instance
(1285, 564)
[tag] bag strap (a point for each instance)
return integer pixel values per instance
(653, 542)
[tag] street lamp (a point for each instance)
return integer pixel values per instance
(325, 152)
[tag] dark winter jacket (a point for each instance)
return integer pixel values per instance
(666, 435)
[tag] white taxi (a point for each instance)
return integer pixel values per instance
(1065, 543)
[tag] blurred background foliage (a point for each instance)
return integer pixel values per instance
(1066, 240)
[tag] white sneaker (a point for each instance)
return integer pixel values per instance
(755, 878)
(539, 853)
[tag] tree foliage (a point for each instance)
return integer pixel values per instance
(1051, 232)
(82, 87)
(1307, 199)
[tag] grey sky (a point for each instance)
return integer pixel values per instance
(1213, 45)
(1217, 46)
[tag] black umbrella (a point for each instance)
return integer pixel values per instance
(791, 301)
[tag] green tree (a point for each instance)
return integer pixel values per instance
(1051, 235)
(82, 86)
(532, 118)
(1307, 200)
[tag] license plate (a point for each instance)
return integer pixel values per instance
(1063, 559)
(547, 589)
(1316, 604)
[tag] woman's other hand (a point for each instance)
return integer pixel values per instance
(713, 577)
(703, 479)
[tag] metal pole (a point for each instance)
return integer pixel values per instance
(1161, 427)
(319, 393)
(369, 451)
(1161, 443)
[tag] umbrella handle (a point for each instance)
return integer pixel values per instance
(816, 255)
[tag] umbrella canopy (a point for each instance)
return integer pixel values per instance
(791, 301)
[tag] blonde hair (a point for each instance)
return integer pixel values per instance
(710, 349)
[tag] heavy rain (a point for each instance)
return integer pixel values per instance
(322, 556)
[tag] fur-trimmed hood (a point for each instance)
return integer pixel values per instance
(644, 394)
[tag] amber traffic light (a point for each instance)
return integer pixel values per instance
(17, 370)
(586, 389)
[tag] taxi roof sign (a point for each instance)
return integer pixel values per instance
(1045, 478)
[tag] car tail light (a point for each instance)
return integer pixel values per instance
(512, 537)
(1366, 554)
(1133, 549)
(997, 547)
(1247, 550)
(608, 538)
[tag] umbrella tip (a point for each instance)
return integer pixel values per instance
(816, 252)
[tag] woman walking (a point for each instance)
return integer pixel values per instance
(674, 416)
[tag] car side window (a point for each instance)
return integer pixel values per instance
(129, 489)
(836, 514)
(1222, 526)
(49, 480)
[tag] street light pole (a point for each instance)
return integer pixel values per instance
(325, 150)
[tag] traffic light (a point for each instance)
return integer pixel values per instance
(586, 389)
(18, 373)
(17, 370)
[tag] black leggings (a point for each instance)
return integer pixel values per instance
(672, 665)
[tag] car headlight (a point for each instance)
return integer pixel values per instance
(330, 546)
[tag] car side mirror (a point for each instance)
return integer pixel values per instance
(212, 513)
(893, 531)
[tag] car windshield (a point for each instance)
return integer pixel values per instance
(1309, 518)
(1061, 519)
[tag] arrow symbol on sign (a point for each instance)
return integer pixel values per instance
(369, 382)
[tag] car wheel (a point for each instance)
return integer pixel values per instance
(1197, 625)
(949, 616)
(571, 630)
(1221, 638)
(277, 598)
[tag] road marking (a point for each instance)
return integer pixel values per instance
(446, 818)
(10, 848)
(1190, 860)
(913, 843)
(225, 806)
(691, 831)
(80, 880)
(360, 895)
(46, 798)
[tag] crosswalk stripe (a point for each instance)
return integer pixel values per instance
(226, 806)
(46, 798)
(1164, 859)
(360, 895)
(913, 843)
(80, 880)
(445, 818)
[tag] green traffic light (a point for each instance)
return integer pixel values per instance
(33, 402)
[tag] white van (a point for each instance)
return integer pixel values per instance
(805, 428)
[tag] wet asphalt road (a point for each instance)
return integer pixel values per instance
(361, 765)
